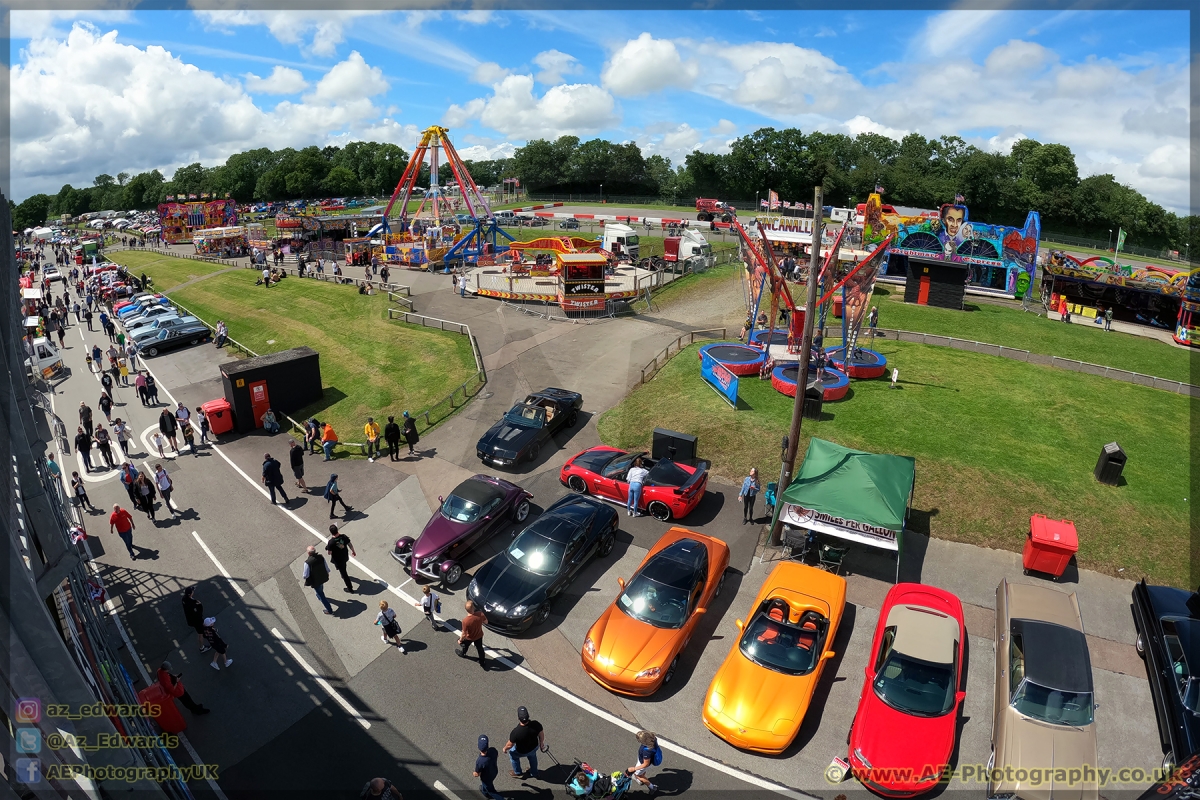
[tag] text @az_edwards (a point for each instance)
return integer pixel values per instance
(109, 741)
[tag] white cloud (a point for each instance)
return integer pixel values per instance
(824, 32)
(952, 31)
(317, 32)
(479, 16)
(352, 79)
(487, 152)
(723, 127)
(864, 124)
(1168, 161)
(39, 24)
(489, 72)
(1018, 57)
(282, 80)
(456, 116)
(554, 65)
(646, 65)
(516, 112)
(778, 78)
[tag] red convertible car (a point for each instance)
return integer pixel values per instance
(671, 490)
(907, 718)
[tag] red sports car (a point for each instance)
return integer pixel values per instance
(670, 491)
(907, 718)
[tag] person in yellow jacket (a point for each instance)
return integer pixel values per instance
(371, 429)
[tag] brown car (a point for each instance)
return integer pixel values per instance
(1043, 727)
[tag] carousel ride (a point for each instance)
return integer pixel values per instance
(436, 235)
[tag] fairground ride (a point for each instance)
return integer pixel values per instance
(434, 235)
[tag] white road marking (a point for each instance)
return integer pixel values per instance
(324, 684)
(149, 443)
(444, 789)
(220, 567)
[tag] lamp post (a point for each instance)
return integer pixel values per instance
(602, 193)
(1110, 238)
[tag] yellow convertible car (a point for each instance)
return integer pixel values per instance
(758, 698)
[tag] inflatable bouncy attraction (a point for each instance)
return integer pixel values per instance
(996, 254)
(1149, 294)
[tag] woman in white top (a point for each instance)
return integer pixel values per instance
(636, 476)
(391, 628)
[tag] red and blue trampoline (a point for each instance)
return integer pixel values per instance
(834, 383)
(864, 364)
(740, 359)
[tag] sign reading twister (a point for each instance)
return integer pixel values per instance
(951, 237)
(179, 219)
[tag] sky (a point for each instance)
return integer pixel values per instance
(127, 91)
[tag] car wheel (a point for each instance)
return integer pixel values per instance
(671, 671)
(534, 451)
(572, 418)
(577, 484)
(720, 585)
(521, 511)
(608, 542)
(451, 576)
(1140, 645)
(659, 510)
(152, 351)
(543, 613)
(193, 342)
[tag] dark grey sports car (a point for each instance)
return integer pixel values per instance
(520, 434)
(1168, 638)
(517, 587)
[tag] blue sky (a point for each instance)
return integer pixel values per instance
(133, 90)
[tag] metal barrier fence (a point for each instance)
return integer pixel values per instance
(651, 369)
(469, 388)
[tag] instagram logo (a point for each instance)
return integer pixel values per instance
(29, 709)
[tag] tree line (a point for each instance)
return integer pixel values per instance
(914, 171)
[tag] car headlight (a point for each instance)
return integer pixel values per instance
(519, 610)
(425, 562)
(648, 674)
(858, 753)
(589, 648)
(474, 588)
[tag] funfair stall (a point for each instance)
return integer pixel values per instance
(227, 242)
(180, 218)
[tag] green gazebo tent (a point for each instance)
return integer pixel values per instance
(850, 494)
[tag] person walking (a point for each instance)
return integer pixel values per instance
(371, 431)
(391, 628)
(105, 405)
(88, 316)
(379, 788)
(312, 435)
(340, 549)
(104, 445)
(296, 458)
(120, 430)
(83, 446)
(334, 495)
(98, 358)
(172, 684)
(525, 741)
(486, 769)
(85, 417)
(53, 468)
(131, 353)
(636, 478)
(750, 489)
(219, 647)
(1108, 318)
(139, 385)
(165, 486)
(328, 440)
(120, 522)
(144, 488)
(649, 754)
(152, 389)
(129, 476)
(472, 633)
(430, 605)
(204, 426)
(189, 438)
(270, 423)
(391, 434)
(79, 488)
(272, 478)
(183, 414)
(167, 426)
(123, 368)
(106, 380)
(316, 573)
(462, 285)
(411, 438)
(193, 614)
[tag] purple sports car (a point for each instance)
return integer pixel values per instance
(477, 509)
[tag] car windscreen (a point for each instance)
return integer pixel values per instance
(536, 553)
(526, 416)
(780, 646)
(460, 509)
(1053, 705)
(920, 688)
(652, 602)
(667, 473)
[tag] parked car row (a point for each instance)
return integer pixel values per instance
(156, 326)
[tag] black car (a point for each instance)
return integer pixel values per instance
(1168, 638)
(175, 337)
(520, 433)
(569, 224)
(517, 588)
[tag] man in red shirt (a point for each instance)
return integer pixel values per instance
(122, 523)
(472, 632)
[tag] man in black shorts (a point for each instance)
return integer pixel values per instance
(296, 454)
(193, 612)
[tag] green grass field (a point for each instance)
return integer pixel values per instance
(995, 441)
(370, 366)
(696, 284)
(1009, 326)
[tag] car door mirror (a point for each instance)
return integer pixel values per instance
(741, 626)
(960, 697)
(828, 654)
(621, 581)
(487, 517)
(701, 610)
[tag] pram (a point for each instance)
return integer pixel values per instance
(588, 782)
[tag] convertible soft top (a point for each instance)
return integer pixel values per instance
(1055, 656)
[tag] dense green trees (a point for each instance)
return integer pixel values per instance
(915, 171)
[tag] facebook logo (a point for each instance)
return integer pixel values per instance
(29, 770)
(29, 740)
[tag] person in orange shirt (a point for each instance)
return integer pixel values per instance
(328, 440)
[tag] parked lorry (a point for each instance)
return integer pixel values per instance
(621, 241)
(690, 248)
(710, 209)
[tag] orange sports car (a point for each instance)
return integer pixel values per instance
(634, 647)
(759, 696)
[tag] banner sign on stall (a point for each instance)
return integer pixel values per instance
(865, 533)
(720, 378)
